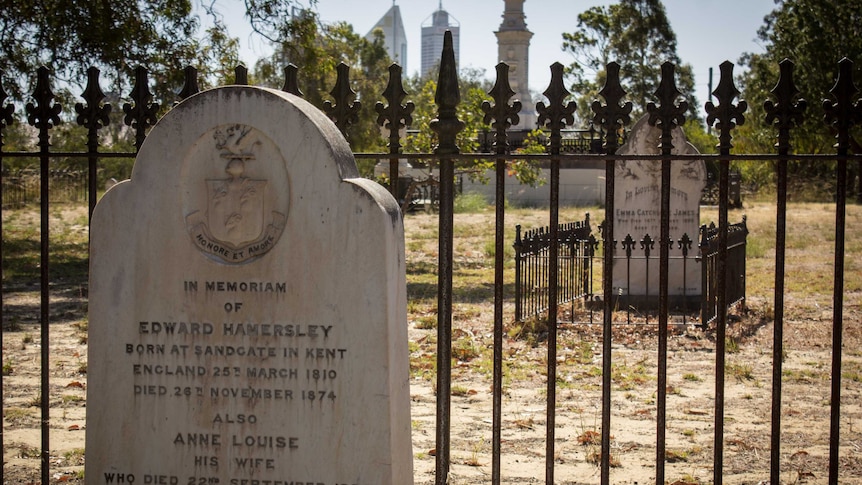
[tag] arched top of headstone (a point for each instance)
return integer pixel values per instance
(295, 124)
(645, 139)
(237, 161)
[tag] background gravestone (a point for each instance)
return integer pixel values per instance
(247, 306)
(637, 205)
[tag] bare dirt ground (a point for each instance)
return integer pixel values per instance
(691, 388)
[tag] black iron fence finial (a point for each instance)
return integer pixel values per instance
(241, 75)
(685, 244)
(43, 115)
(787, 111)
(190, 84)
(842, 114)
(394, 116)
(6, 118)
(670, 114)
(727, 114)
(142, 114)
(557, 114)
(502, 115)
(613, 115)
(345, 111)
(291, 80)
(447, 97)
(94, 115)
(628, 244)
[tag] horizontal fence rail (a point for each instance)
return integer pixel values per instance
(611, 115)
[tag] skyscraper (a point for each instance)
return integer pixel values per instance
(433, 29)
(395, 40)
(513, 48)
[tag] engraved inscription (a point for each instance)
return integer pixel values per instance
(232, 363)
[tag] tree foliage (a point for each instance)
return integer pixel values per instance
(637, 35)
(421, 139)
(815, 35)
(317, 49)
(68, 36)
(474, 88)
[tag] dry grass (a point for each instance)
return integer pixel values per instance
(809, 258)
(807, 356)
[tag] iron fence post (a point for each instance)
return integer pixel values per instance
(668, 116)
(728, 115)
(611, 117)
(518, 245)
(784, 114)
(501, 116)
(6, 119)
(556, 115)
(44, 115)
(842, 115)
(446, 125)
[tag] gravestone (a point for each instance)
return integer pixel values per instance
(637, 212)
(248, 317)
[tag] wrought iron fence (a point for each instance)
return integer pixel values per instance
(735, 281)
(577, 264)
(21, 187)
(611, 114)
(576, 249)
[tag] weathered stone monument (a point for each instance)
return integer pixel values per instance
(247, 306)
(637, 207)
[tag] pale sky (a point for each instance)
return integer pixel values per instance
(708, 31)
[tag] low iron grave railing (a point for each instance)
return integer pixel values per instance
(612, 114)
(737, 235)
(577, 263)
(22, 187)
(576, 250)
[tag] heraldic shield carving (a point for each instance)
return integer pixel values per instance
(236, 212)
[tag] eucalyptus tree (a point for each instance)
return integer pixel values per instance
(636, 34)
(815, 35)
(316, 49)
(69, 36)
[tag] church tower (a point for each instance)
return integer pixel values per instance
(513, 48)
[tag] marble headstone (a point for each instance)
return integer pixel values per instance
(247, 306)
(637, 211)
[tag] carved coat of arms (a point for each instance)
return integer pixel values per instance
(238, 224)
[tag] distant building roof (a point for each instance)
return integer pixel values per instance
(395, 40)
(433, 29)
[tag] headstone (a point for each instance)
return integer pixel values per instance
(637, 212)
(247, 306)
